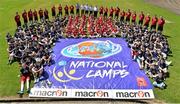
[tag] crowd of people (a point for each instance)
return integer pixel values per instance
(32, 42)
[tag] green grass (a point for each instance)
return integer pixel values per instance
(9, 82)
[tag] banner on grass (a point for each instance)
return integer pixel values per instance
(93, 64)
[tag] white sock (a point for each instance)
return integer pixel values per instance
(27, 83)
(22, 86)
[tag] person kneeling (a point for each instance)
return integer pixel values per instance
(37, 71)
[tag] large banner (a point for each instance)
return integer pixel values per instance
(93, 68)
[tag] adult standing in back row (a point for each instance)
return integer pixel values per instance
(53, 10)
(161, 23)
(24, 15)
(141, 18)
(154, 22)
(30, 15)
(17, 19)
(41, 16)
(35, 14)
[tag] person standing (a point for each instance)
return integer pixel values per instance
(128, 15)
(86, 9)
(105, 12)
(41, 16)
(17, 19)
(77, 8)
(133, 18)
(30, 15)
(90, 10)
(117, 11)
(82, 9)
(60, 10)
(111, 12)
(24, 15)
(72, 9)
(46, 14)
(35, 15)
(101, 10)
(161, 23)
(53, 10)
(147, 20)
(95, 11)
(122, 15)
(154, 22)
(141, 18)
(66, 10)
(25, 77)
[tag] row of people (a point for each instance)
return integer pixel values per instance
(85, 9)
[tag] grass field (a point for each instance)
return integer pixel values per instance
(9, 80)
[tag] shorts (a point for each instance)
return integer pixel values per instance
(25, 77)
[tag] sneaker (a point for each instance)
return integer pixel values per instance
(28, 91)
(20, 92)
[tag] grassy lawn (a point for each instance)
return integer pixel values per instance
(9, 80)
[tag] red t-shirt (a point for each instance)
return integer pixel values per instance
(111, 11)
(161, 22)
(117, 10)
(101, 10)
(53, 9)
(35, 14)
(154, 21)
(122, 14)
(71, 7)
(17, 18)
(30, 14)
(41, 13)
(128, 14)
(134, 17)
(60, 8)
(24, 15)
(66, 8)
(147, 20)
(106, 10)
(141, 17)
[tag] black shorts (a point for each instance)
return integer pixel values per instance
(105, 14)
(60, 13)
(82, 12)
(66, 12)
(140, 22)
(72, 11)
(41, 17)
(147, 25)
(19, 23)
(53, 14)
(116, 15)
(133, 21)
(36, 18)
(160, 28)
(122, 19)
(77, 11)
(111, 15)
(95, 13)
(30, 19)
(127, 19)
(86, 12)
(90, 12)
(25, 21)
(46, 17)
(153, 27)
